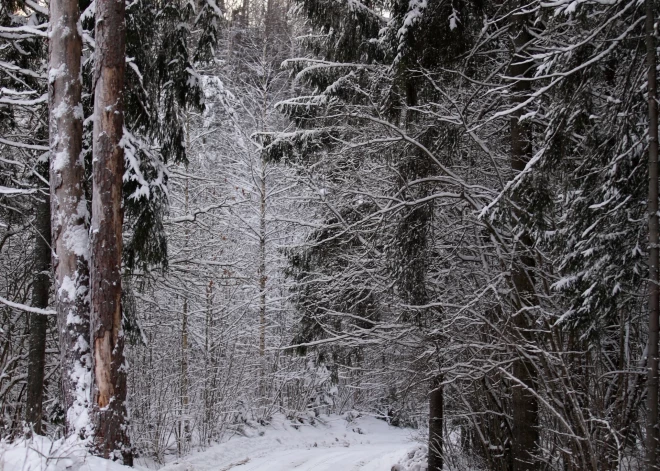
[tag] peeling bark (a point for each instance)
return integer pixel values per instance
(109, 373)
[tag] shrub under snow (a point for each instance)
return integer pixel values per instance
(42, 454)
(415, 460)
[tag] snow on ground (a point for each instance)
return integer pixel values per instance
(42, 454)
(332, 444)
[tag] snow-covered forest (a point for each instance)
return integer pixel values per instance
(251, 234)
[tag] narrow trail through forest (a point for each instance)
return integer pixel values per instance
(366, 444)
(361, 457)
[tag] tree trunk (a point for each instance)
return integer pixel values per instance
(262, 281)
(38, 322)
(209, 365)
(652, 380)
(525, 434)
(109, 373)
(436, 418)
(246, 13)
(70, 217)
(414, 238)
(271, 21)
(184, 422)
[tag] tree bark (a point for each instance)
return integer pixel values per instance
(184, 422)
(525, 434)
(38, 322)
(652, 380)
(70, 217)
(209, 365)
(436, 419)
(109, 372)
(262, 282)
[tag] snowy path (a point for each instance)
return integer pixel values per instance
(365, 445)
(359, 457)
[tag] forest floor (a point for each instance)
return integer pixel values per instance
(329, 444)
(332, 443)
